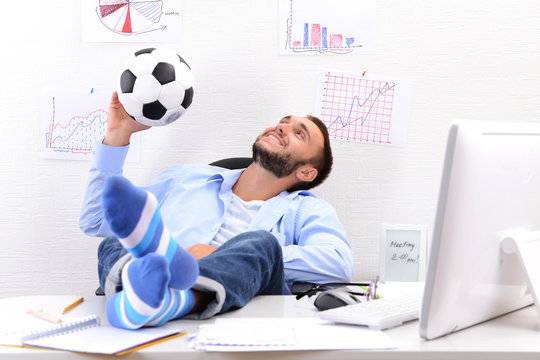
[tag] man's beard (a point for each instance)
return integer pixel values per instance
(281, 165)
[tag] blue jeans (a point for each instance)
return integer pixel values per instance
(247, 265)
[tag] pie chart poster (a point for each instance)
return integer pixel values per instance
(131, 20)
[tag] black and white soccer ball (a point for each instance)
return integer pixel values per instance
(156, 86)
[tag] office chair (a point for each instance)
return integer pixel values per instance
(233, 163)
(228, 163)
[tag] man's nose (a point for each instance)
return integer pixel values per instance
(282, 128)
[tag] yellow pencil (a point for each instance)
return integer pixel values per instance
(71, 306)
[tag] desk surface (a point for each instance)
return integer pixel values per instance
(517, 333)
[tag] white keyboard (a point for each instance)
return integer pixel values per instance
(378, 314)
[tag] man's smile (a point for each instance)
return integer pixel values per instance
(275, 138)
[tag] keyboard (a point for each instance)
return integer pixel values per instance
(380, 314)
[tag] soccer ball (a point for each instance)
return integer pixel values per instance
(156, 86)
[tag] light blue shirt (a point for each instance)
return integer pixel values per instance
(193, 201)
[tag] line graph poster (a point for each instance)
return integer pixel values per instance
(131, 20)
(364, 109)
(71, 121)
(327, 26)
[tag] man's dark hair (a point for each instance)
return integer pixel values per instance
(322, 162)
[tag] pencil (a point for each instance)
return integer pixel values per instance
(71, 306)
(44, 316)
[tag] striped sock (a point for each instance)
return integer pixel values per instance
(144, 285)
(177, 304)
(133, 215)
(146, 299)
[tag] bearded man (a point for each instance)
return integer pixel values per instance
(199, 240)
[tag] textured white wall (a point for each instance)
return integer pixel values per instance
(468, 59)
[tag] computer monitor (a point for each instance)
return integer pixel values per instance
(490, 189)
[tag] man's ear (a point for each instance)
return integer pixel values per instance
(306, 173)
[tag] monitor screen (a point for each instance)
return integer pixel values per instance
(490, 189)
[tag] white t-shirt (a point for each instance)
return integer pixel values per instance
(237, 219)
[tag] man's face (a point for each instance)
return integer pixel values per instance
(284, 148)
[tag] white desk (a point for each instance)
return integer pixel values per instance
(513, 336)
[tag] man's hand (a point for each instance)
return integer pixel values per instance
(120, 125)
(201, 250)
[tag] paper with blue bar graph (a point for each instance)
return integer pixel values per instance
(312, 27)
(363, 108)
(71, 120)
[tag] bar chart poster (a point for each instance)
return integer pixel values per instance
(131, 20)
(364, 109)
(327, 26)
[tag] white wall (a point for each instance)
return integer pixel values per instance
(468, 59)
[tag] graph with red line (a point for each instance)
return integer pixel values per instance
(361, 109)
(71, 122)
(75, 134)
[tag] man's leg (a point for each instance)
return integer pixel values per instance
(151, 301)
(146, 298)
(148, 293)
(247, 265)
(112, 257)
(135, 218)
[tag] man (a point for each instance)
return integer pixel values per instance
(253, 231)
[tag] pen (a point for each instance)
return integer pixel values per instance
(44, 316)
(71, 306)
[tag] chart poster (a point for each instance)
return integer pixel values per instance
(71, 121)
(364, 109)
(314, 27)
(131, 20)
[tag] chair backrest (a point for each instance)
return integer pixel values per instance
(233, 163)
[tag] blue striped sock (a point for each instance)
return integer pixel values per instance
(133, 215)
(146, 299)
(144, 286)
(177, 304)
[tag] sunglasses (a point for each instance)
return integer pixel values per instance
(301, 289)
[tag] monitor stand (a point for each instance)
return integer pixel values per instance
(527, 247)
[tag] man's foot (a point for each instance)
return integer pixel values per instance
(133, 215)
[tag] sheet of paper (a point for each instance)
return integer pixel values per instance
(70, 122)
(152, 21)
(103, 339)
(268, 334)
(367, 109)
(16, 322)
(314, 27)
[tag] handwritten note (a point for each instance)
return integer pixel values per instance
(402, 253)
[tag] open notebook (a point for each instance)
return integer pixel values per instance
(86, 335)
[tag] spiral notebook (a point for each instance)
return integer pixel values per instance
(88, 335)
